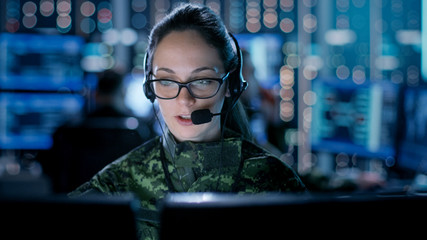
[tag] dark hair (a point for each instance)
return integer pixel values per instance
(212, 29)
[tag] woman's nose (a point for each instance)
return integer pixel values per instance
(185, 98)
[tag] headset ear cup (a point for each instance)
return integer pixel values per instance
(146, 86)
(237, 83)
(148, 92)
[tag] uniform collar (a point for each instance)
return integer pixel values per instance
(204, 155)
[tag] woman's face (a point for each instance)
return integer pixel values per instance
(184, 56)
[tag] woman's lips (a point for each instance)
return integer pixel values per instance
(184, 120)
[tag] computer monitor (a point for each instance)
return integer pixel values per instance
(40, 62)
(40, 78)
(282, 216)
(60, 217)
(412, 152)
(28, 119)
(355, 118)
(265, 54)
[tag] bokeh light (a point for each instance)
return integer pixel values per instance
(87, 25)
(87, 9)
(287, 5)
(63, 21)
(139, 21)
(310, 23)
(29, 8)
(47, 7)
(29, 21)
(139, 5)
(287, 25)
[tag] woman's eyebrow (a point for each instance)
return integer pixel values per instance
(168, 70)
(197, 70)
(201, 69)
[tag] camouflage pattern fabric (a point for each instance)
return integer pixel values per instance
(243, 167)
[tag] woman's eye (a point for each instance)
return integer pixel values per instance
(203, 82)
(166, 83)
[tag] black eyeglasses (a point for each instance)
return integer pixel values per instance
(199, 88)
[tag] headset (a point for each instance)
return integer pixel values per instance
(236, 84)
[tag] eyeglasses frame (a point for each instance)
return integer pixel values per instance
(185, 85)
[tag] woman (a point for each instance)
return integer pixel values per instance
(191, 65)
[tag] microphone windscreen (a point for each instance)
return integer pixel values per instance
(201, 116)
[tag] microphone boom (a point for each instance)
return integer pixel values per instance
(202, 116)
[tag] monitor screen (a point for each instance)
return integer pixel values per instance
(413, 146)
(265, 54)
(355, 119)
(27, 120)
(40, 62)
(276, 216)
(61, 217)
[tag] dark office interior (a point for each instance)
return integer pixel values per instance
(336, 91)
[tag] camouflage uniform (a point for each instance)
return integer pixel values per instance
(242, 167)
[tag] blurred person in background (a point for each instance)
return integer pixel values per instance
(83, 147)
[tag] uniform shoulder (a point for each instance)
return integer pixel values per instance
(134, 158)
(253, 150)
(150, 145)
(144, 151)
(267, 170)
(125, 172)
(257, 155)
